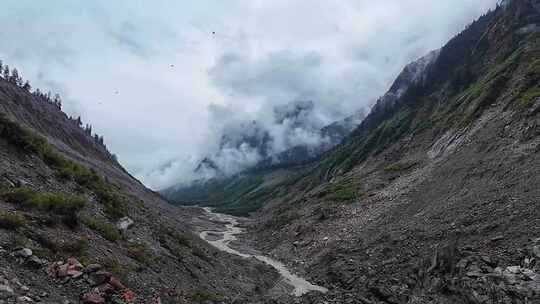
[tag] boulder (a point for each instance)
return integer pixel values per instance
(513, 269)
(23, 253)
(92, 298)
(536, 251)
(36, 262)
(62, 271)
(52, 270)
(100, 277)
(6, 291)
(128, 296)
(24, 299)
(92, 268)
(124, 223)
(115, 282)
(74, 273)
(75, 264)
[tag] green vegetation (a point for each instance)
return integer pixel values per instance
(117, 267)
(370, 140)
(140, 253)
(106, 230)
(342, 195)
(179, 238)
(400, 166)
(283, 217)
(534, 67)
(345, 191)
(49, 246)
(224, 195)
(114, 203)
(479, 95)
(11, 220)
(58, 203)
(203, 296)
(527, 98)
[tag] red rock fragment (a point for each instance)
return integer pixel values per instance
(92, 298)
(128, 296)
(74, 273)
(62, 270)
(75, 264)
(52, 270)
(115, 282)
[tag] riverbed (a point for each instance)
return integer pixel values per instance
(222, 240)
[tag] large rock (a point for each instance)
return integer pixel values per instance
(92, 268)
(6, 291)
(536, 251)
(75, 264)
(92, 298)
(62, 270)
(36, 262)
(124, 223)
(115, 282)
(23, 253)
(100, 277)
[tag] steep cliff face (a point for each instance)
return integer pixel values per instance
(435, 197)
(65, 201)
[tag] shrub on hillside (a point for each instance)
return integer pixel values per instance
(106, 230)
(114, 203)
(58, 203)
(11, 220)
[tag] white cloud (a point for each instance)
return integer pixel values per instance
(340, 54)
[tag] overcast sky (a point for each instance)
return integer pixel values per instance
(149, 75)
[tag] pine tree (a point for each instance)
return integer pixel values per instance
(6, 72)
(14, 76)
(1, 65)
(57, 100)
(27, 86)
(88, 129)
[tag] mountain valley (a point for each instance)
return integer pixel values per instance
(431, 197)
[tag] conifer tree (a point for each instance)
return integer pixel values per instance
(5, 73)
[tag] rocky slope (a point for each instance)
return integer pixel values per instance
(435, 197)
(75, 226)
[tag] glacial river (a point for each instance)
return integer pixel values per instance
(300, 285)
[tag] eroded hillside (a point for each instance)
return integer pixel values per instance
(434, 198)
(74, 226)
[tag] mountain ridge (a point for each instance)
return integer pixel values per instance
(215, 191)
(433, 199)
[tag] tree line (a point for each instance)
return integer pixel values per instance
(13, 76)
